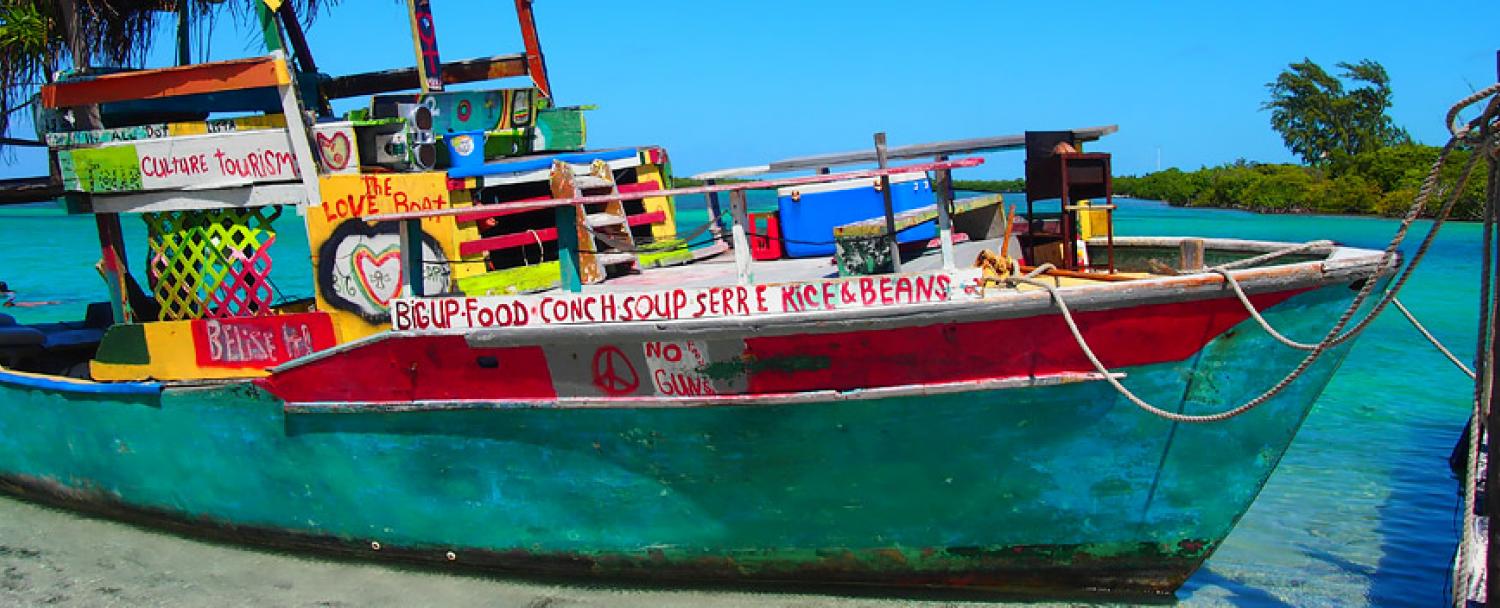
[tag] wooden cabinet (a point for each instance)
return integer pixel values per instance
(1070, 178)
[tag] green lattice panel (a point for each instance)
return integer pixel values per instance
(212, 263)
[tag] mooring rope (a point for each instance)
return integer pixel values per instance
(1433, 339)
(1336, 334)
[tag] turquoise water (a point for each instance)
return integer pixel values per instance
(1360, 512)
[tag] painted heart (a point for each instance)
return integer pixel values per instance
(334, 150)
(379, 274)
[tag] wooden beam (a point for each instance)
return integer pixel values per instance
(536, 63)
(405, 79)
(168, 82)
(240, 197)
(942, 148)
(739, 210)
(424, 38)
(882, 157)
(22, 190)
(413, 281)
(472, 214)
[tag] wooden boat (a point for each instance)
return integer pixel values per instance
(664, 412)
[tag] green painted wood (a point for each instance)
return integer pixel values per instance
(413, 267)
(567, 248)
(912, 217)
(1048, 489)
(269, 33)
(124, 343)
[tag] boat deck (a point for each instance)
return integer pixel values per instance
(720, 270)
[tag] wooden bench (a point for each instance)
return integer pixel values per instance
(859, 249)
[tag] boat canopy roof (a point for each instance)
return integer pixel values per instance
(929, 150)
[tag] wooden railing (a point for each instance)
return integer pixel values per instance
(411, 222)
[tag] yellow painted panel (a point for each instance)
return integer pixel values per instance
(357, 265)
(226, 125)
(172, 355)
(663, 230)
(472, 265)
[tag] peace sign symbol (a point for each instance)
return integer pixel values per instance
(613, 372)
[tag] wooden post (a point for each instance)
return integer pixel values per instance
(268, 30)
(714, 210)
(1190, 255)
(78, 46)
(1492, 414)
(424, 37)
(944, 188)
(297, 133)
(885, 197)
(737, 208)
(567, 248)
(536, 63)
(184, 15)
(112, 247)
(302, 51)
(411, 259)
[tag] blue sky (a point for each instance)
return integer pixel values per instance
(723, 84)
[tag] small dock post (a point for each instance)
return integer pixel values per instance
(944, 189)
(738, 208)
(885, 196)
(1190, 252)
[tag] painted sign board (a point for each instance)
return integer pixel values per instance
(67, 139)
(462, 313)
(336, 148)
(357, 265)
(260, 341)
(201, 161)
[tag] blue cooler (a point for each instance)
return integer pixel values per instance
(809, 213)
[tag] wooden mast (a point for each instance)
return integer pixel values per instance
(536, 64)
(424, 37)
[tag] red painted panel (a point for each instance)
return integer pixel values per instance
(646, 186)
(444, 367)
(993, 349)
(260, 341)
(410, 369)
(650, 217)
(506, 241)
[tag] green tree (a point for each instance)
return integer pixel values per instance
(40, 37)
(1321, 121)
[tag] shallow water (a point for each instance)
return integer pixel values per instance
(1361, 511)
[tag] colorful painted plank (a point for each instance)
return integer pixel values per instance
(337, 148)
(504, 209)
(683, 303)
(203, 161)
(209, 348)
(459, 111)
(69, 139)
(268, 71)
(357, 265)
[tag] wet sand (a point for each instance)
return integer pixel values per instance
(50, 557)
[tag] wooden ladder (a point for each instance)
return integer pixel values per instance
(605, 245)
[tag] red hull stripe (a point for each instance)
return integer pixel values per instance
(434, 368)
(446, 368)
(1032, 346)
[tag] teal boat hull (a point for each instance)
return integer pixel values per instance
(1046, 489)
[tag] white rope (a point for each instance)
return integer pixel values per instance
(1433, 339)
(1334, 335)
(1109, 376)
